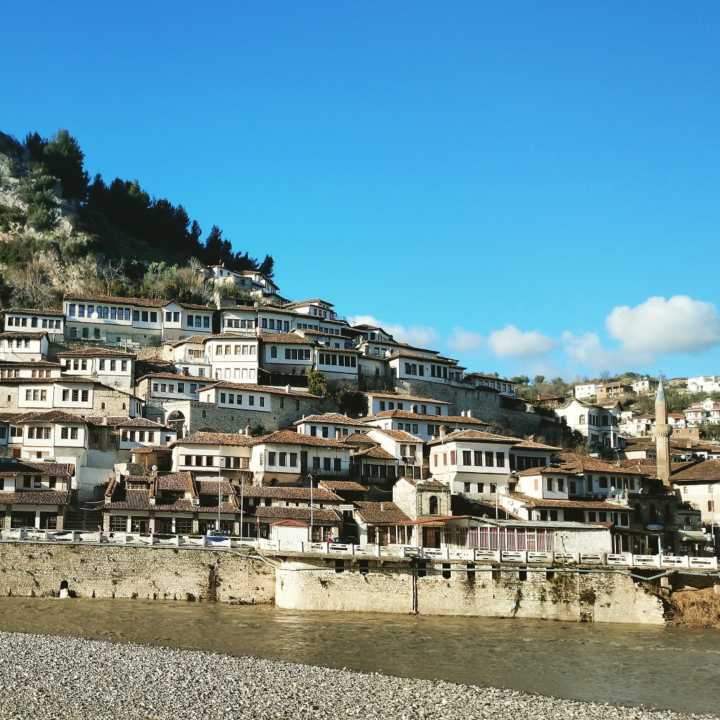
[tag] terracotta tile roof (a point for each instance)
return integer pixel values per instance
(177, 376)
(35, 497)
(358, 438)
(429, 484)
(232, 335)
(569, 504)
(117, 300)
(380, 513)
(343, 485)
(298, 303)
(475, 436)
(13, 467)
(30, 364)
(320, 515)
(289, 437)
(285, 339)
(585, 463)
(290, 523)
(704, 471)
(34, 311)
(330, 418)
(290, 493)
(52, 416)
(531, 472)
(399, 435)
(96, 352)
(123, 499)
(376, 453)
(534, 445)
(438, 419)
(216, 438)
(174, 481)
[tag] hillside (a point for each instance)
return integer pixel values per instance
(62, 232)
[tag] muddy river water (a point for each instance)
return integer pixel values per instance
(672, 668)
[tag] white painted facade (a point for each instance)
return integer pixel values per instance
(23, 321)
(23, 347)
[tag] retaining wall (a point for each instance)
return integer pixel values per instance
(29, 569)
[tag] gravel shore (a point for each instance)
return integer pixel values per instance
(56, 677)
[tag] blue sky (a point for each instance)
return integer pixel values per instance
(494, 181)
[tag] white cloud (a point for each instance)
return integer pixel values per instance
(464, 340)
(419, 335)
(510, 341)
(587, 350)
(659, 325)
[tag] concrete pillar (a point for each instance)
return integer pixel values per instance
(106, 522)
(7, 523)
(37, 519)
(128, 524)
(60, 522)
(151, 524)
(195, 526)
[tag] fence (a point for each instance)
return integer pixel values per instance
(448, 553)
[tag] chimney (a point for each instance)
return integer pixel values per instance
(287, 389)
(247, 429)
(442, 431)
(104, 420)
(468, 413)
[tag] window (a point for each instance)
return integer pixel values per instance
(326, 464)
(477, 456)
(550, 484)
(467, 459)
(433, 505)
(489, 459)
(500, 459)
(273, 351)
(561, 485)
(271, 458)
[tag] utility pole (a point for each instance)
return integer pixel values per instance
(310, 477)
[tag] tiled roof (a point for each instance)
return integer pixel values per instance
(35, 497)
(376, 453)
(123, 499)
(12, 467)
(285, 339)
(569, 504)
(290, 493)
(343, 485)
(439, 419)
(52, 416)
(534, 445)
(216, 438)
(30, 364)
(428, 484)
(174, 481)
(95, 352)
(177, 376)
(704, 471)
(34, 311)
(380, 513)
(116, 300)
(399, 435)
(531, 472)
(331, 419)
(289, 437)
(475, 436)
(585, 463)
(319, 515)
(358, 438)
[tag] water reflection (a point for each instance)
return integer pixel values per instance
(663, 667)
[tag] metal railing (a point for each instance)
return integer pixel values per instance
(446, 553)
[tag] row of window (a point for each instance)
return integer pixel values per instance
(235, 374)
(35, 394)
(335, 359)
(45, 323)
(242, 323)
(236, 349)
(139, 435)
(480, 487)
(476, 458)
(237, 399)
(325, 431)
(170, 387)
(291, 353)
(16, 343)
(103, 364)
(419, 409)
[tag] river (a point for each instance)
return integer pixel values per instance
(673, 668)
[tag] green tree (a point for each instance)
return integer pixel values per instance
(64, 159)
(316, 382)
(538, 380)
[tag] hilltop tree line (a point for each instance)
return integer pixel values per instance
(67, 232)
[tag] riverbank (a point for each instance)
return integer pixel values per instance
(50, 677)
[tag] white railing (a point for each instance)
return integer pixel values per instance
(442, 554)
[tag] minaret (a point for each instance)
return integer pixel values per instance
(662, 436)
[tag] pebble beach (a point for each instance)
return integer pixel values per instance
(44, 677)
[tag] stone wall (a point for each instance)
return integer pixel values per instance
(568, 596)
(37, 569)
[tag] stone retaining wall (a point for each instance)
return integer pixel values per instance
(35, 569)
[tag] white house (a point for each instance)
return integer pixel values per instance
(596, 423)
(315, 308)
(141, 432)
(233, 357)
(22, 320)
(380, 401)
(289, 353)
(30, 369)
(407, 450)
(702, 413)
(699, 484)
(286, 457)
(115, 368)
(472, 462)
(585, 391)
(408, 363)
(208, 454)
(425, 427)
(189, 357)
(23, 346)
(704, 384)
(242, 318)
(329, 425)
(492, 382)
